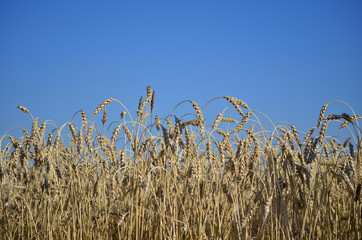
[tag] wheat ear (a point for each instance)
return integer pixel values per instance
(115, 134)
(217, 120)
(23, 109)
(152, 101)
(194, 122)
(230, 120)
(158, 123)
(295, 134)
(104, 118)
(149, 94)
(236, 102)
(73, 131)
(243, 122)
(88, 139)
(102, 105)
(129, 136)
(321, 114)
(140, 107)
(200, 117)
(84, 120)
(345, 123)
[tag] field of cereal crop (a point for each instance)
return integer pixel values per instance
(189, 176)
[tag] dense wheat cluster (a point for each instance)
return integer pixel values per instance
(181, 177)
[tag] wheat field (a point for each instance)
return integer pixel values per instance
(189, 176)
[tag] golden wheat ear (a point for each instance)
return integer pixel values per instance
(149, 94)
(25, 110)
(102, 105)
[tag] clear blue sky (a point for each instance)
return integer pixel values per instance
(283, 58)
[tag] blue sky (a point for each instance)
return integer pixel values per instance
(283, 58)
